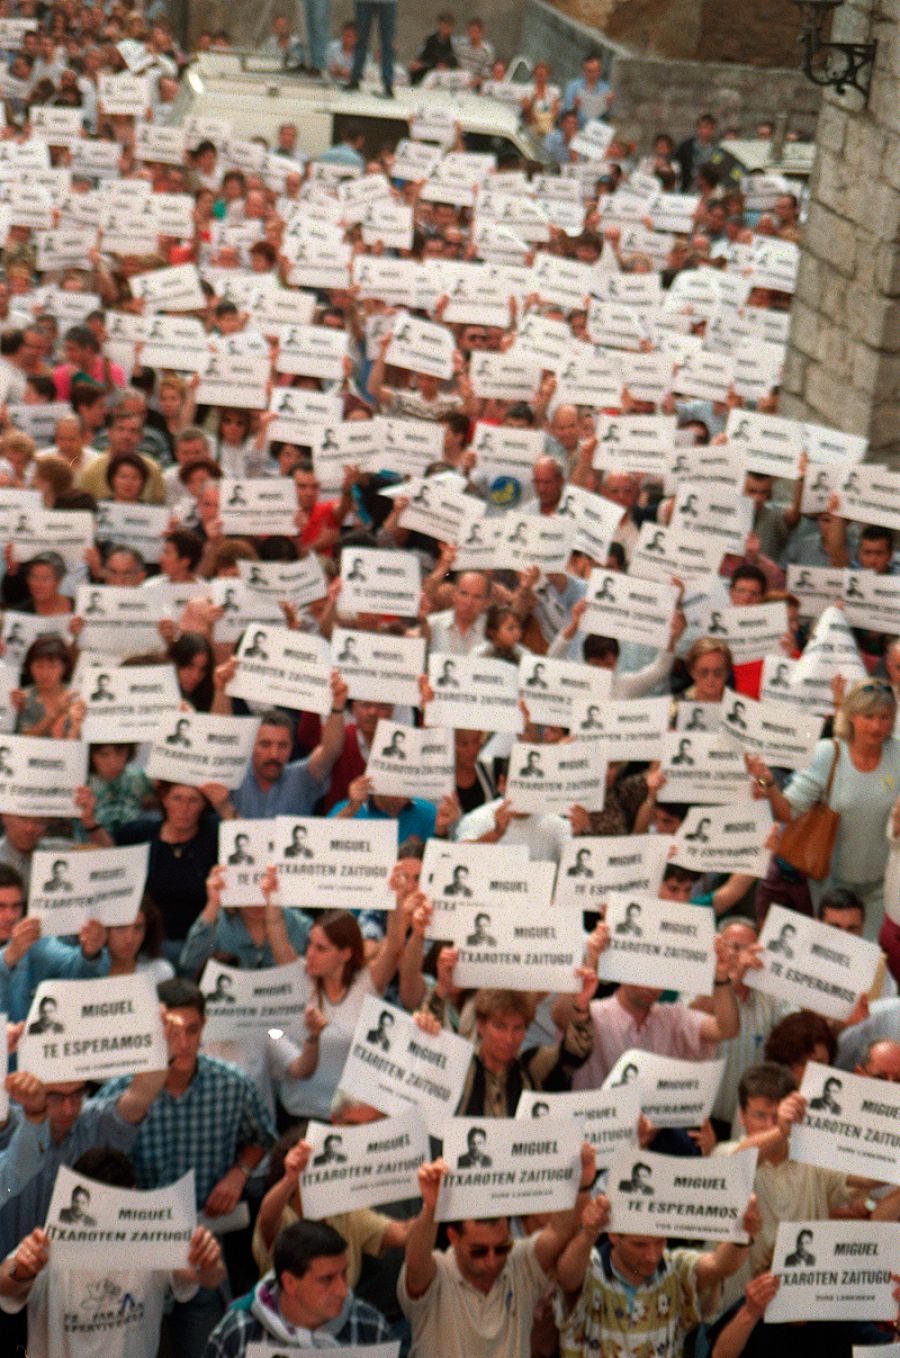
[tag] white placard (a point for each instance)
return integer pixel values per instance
(291, 668)
(407, 761)
(393, 1065)
(713, 511)
(769, 444)
(325, 863)
(173, 289)
(504, 376)
(872, 601)
(93, 1030)
(703, 768)
(68, 889)
(405, 446)
(596, 521)
(423, 347)
(662, 553)
(630, 609)
(379, 668)
(551, 688)
(722, 839)
(66, 531)
(693, 1199)
(246, 848)
(240, 1003)
(439, 510)
(817, 587)
(258, 506)
(667, 943)
(752, 631)
(241, 608)
(141, 526)
(593, 379)
(236, 380)
(546, 778)
(771, 729)
(691, 716)
(813, 966)
(126, 702)
(594, 867)
(501, 948)
(705, 376)
(852, 1124)
(627, 729)
(124, 94)
(474, 692)
(504, 1167)
(312, 351)
(377, 581)
(635, 443)
(296, 582)
(506, 452)
(870, 493)
(119, 620)
(607, 1119)
(673, 1093)
(38, 776)
(365, 1166)
(538, 540)
(88, 1223)
(21, 629)
(496, 877)
(198, 747)
(835, 1270)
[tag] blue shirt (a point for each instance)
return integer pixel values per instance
(578, 88)
(418, 817)
(294, 794)
(219, 1114)
(47, 959)
(343, 154)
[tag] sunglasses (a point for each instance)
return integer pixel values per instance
(482, 1251)
(876, 686)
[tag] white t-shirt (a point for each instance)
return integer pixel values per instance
(455, 1320)
(97, 1315)
(312, 1098)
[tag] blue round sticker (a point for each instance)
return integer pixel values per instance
(505, 491)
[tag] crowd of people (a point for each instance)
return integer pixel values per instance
(237, 382)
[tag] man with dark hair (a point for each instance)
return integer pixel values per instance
(305, 1296)
(209, 1117)
(276, 786)
(26, 959)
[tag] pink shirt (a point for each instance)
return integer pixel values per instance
(668, 1030)
(100, 372)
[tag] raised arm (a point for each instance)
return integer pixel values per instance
(420, 1266)
(272, 1207)
(562, 1226)
(573, 1262)
(323, 757)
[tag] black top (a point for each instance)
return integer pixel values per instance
(176, 873)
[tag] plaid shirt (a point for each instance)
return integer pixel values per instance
(218, 1115)
(240, 1327)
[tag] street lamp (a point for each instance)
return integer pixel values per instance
(839, 64)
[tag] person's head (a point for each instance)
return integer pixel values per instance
(127, 475)
(842, 909)
(12, 901)
(867, 713)
(481, 1249)
(602, 652)
(310, 1263)
(81, 347)
(184, 1015)
(875, 549)
(52, 477)
(273, 745)
(335, 948)
(470, 597)
(123, 566)
(622, 488)
(760, 1090)
(182, 806)
(47, 662)
(44, 574)
(180, 555)
(501, 1019)
(678, 883)
(108, 761)
(799, 1038)
(738, 934)
(592, 67)
(636, 1257)
(144, 936)
(503, 627)
(547, 479)
(68, 437)
(367, 715)
(306, 484)
(24, 833)
(708, 663)
(564, 426)
(706, 128)
(748, 586)
(758, 488)
(124, 436)
(104, 1165)
(881, 1060)
(192, 656)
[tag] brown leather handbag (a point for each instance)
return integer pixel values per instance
(807, 842)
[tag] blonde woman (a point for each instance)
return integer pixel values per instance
(865, 789)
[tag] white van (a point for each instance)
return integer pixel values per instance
(256, 96)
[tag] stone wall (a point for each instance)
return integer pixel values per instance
(653, 94)
(844, 357)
